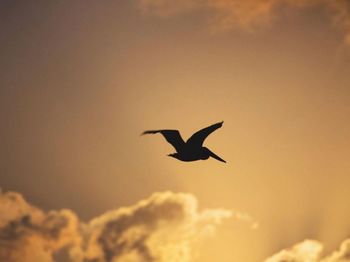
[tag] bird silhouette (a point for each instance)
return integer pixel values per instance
(192, 149)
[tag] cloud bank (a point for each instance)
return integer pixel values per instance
(311, 251)
(164, 227)
(248, 14)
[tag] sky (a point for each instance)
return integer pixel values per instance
(81, 80)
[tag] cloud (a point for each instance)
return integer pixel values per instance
(164, 227)
(29, 234)
(311, 251)
(342, 255)
(307, 251)
(247, 14)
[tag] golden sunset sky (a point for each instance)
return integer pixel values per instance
(80, 80)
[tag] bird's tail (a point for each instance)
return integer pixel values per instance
(215, 156)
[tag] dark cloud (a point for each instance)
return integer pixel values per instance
(227, 14)
(27, 233)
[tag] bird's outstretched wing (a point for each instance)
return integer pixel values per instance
(198, 138)
(172, 136)
(215, 156)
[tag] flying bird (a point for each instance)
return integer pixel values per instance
(192, 149)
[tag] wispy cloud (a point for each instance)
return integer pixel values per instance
(248, 14)
(164, 227)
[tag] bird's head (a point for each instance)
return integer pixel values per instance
(174, 155)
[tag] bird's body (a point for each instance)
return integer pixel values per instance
(189, 154)
(192, 149)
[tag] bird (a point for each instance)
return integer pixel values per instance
(192, 149)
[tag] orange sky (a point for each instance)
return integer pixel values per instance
(81, 80)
